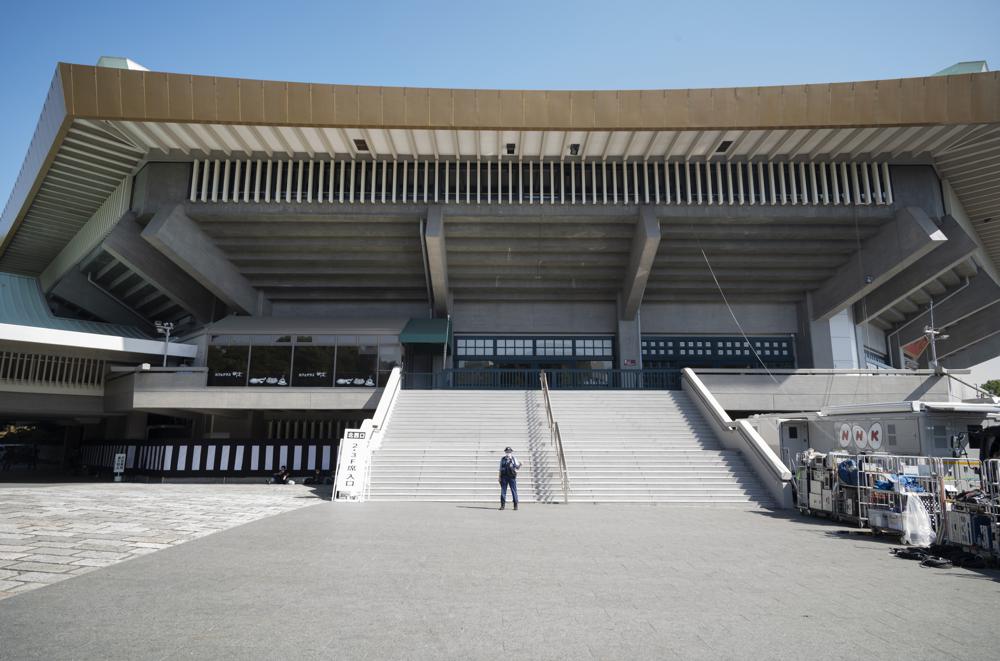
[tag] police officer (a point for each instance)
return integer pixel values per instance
(509, 465)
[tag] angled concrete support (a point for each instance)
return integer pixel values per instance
(970, 331)
(645, 243)
(125, 243)
(971, 356)
(437, 260)
(181, 240)
(901, 242)
(980, 293)
(78, 290)
(959, 247)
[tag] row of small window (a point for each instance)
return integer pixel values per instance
(710, 352)
(468, 346)
(718, 344)
(877, 359)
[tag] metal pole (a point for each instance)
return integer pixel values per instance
(444, 346)
(166, 347)
(933, 333)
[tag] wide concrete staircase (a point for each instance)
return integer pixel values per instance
(648, 447)
(446, 445)
(620, 446)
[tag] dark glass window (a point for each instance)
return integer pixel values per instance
(356, 365)
(389, 356)
(271, 361)
(227, 365)
(313, 366)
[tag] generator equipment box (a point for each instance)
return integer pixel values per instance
(885, 519)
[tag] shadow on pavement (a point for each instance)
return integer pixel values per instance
(844, 531)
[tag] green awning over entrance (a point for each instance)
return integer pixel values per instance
(426, 331)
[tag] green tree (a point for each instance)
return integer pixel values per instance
(992, 386)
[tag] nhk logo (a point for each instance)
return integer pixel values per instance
(860, 437)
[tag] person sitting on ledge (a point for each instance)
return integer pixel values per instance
(282, 477)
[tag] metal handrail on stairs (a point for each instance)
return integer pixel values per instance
(554, 436)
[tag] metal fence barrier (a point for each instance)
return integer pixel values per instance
(558, 379)
(961, 495)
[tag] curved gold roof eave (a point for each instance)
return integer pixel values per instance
(105, 93)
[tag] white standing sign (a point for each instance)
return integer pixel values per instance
(119, 466)
(352, 463)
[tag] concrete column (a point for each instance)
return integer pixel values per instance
(159, 185)
(437, 260)
(201, 358)
(629, 344)
(803, 343)
(917, 186)
(180, 239)
(645, 243)
(833, 342)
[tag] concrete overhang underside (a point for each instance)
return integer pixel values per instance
(524, 253)
(67, 407)
(100, 125)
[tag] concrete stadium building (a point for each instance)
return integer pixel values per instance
(305, 239)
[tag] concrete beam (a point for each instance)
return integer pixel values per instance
(901, 242)
(159, 185)
(238, 212)
(981, 292)
(78, 290)
(645, 243)
(971, 356)
(969, 331)
(917, 186)
(125, 244)
(180, 239)
(959, 247)
(437, 260)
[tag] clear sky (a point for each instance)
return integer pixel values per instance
(578, 44)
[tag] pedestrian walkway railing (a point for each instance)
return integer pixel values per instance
(353, 478)
(554, 436)
(739, 435)
(558, 379)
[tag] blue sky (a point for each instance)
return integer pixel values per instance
(509, 44)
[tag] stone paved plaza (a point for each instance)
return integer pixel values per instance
(51, 533)
(445, 581)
